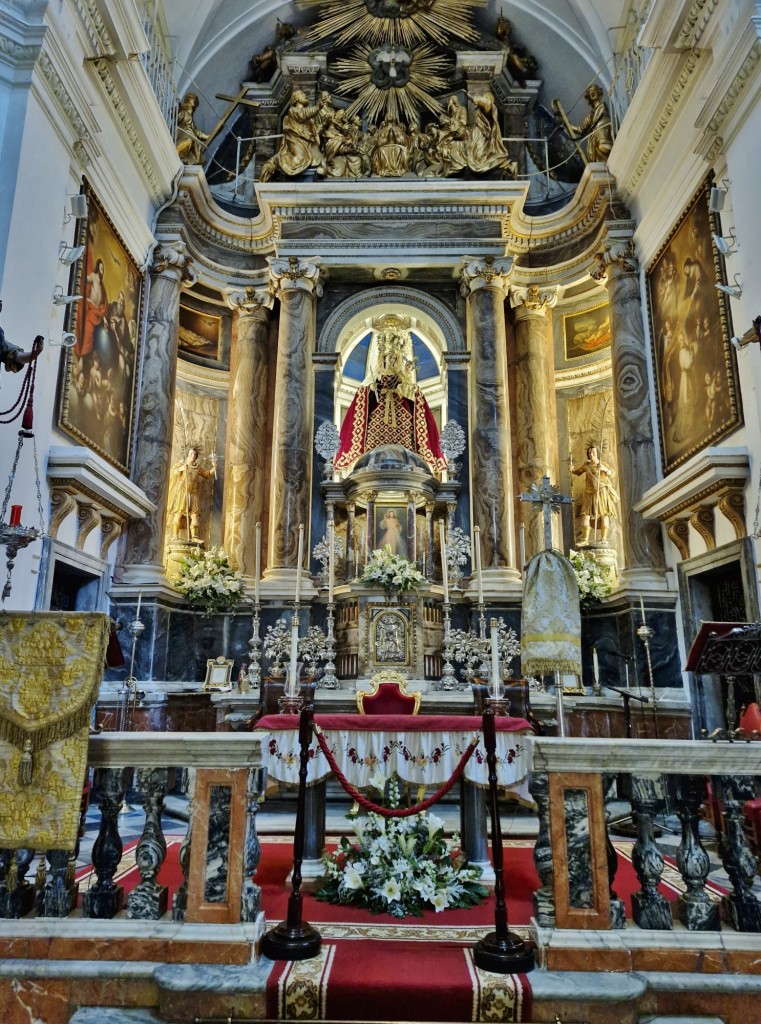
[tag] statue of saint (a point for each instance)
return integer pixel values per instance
(599, 503)
(191, 141)
(596, 126)
(185, 496)
(300, 145)
(391, 149)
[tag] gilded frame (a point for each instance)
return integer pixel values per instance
(598, 317)
(98, 376)
(690, 326)
(405, 616)
(219, 673)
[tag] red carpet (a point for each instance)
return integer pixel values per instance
(396, 981)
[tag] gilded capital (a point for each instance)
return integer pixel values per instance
(171, 259)
(531, 300)
(295, 274)
(487, 272)
(249, 301)
(620, 252)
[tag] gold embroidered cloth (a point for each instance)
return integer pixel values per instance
(551, 617)
(51, 665)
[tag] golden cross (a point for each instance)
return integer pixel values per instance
(235, 102)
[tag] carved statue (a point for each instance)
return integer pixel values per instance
(596, 127)
(185, 495)
(600, 500)
(11, 356)
(262, 65)
(191, 141)
(520, 63)
(391, 149)
(486, 151)
(300, 145)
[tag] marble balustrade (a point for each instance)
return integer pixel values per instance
(219, 855)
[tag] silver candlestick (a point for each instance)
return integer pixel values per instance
(448, 678)
(254, 673)
(329, 680)
(129, 701)
(646, 634)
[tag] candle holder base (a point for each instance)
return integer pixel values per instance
(499, 705)
(290, 705)
(508, 955)
(291, 942)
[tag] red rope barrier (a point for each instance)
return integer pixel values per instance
(394, 812)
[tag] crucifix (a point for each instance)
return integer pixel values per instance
(550, 500)
(234, 102)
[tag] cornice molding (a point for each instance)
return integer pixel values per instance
(722, 105)
(20, 42)
(84, 145)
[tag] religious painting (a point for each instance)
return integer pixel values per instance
(586, 331)
(98, 374)
(390, 636)
(695, 367)
(199, 333)
(391, 528)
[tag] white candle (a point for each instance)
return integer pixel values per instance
(521, 543)
(477, 549)
(294, 687)
(642, 608)
(626, 667)
(595, 665)
(139, 602)
(496, 681)
(331, 559)
(559, 710)
(299, 561)
(444, 574)
(258, 566)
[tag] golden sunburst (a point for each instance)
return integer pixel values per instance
(394, 21)
(419, 76)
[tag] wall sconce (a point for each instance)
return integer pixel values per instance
(717, 197)
(724, 245)
(78, 208)
(60, 299)
(68, 340)
(68, 254)
(734, 290)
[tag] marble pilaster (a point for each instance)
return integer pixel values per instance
(534, 400)
(144, 555)
(246, 427)
(484, 284)
(643, 543)
(296, 283)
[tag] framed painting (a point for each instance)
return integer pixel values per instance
(695, 366)
(199, 333)
(391, 528)
(98, 374)
(586, 331)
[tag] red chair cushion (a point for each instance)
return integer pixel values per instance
(389, 700)
(751, 718)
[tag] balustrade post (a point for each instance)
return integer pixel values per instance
(16, 894)
(697, 911)
(251, 895)
(104, 899)
(148, 900)
(180, 901)
(544, 897)
(650, 909)
(617, 906)
(57, 897)
(740, 908)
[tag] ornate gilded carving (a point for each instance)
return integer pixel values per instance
(171, 257)
(732, 506)
(532, 299)
(62, 504)
(596, 128)
(110, 529)
(489, 272)
(702, 520)
(621, 252)
(191, 141)
(88, 517)
(293, 272)
(679, 534)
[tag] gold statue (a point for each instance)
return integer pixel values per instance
(486, 150)
(185, 495)
(599, 503)
(300, 145)
(191, 141)
(596, 127)
(391, 149)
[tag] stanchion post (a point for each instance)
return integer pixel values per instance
(501, 951)
(294, 938)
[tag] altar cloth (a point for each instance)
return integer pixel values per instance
(420, 749)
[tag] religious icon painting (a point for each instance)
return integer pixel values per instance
(391, 529)
(690, 327)
(586, 331)
(200, 333)
(97, 385)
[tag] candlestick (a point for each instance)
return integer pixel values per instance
(298, 563)
(477, 548)
(444, 575)
(331, 560)
(522, 545)
(15, 519)
(595, 665)
(496, 681)
(626, 668)
(293, 688)
(559, 710)
(139, 602)
(258, 566)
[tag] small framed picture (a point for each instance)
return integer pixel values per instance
(218, 674)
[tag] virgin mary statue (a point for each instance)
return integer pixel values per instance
(389, 407)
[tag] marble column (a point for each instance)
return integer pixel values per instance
(144, 553)
(350, 560)
(246, 446)
(484, 283)
(535, 436)
(643, 543)
(296, 284)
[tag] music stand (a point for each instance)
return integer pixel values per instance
(726, 649)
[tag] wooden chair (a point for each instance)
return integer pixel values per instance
(388, 696)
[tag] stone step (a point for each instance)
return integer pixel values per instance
(113, 1015)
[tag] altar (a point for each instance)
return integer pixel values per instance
(423, 750)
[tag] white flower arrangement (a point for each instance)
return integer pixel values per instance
(594, 583)
(208, 581)
(393, 573)
(400, 866)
